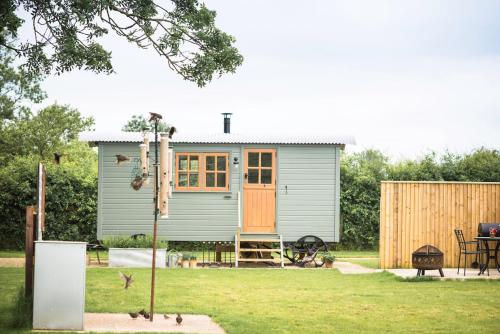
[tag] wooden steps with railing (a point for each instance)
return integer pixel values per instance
(258, 247)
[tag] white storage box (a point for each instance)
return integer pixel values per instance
(59, 285)
(136, 257)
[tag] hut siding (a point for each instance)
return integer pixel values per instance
(413, 214)
(308, 192)
(311, 205)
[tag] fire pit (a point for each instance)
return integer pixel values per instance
(427, 257)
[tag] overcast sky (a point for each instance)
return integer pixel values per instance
(405, 77)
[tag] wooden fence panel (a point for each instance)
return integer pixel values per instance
(413, 214)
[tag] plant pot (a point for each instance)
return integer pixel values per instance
(193, 263)
(185, 263)
(136, 257)
(328, 264)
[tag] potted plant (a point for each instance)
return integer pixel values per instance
(192, 261)
(185, 260)
(328, 261)
(135, 252)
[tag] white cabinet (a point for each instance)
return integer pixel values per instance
(59, 285)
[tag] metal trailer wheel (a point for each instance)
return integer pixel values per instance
(307, 246)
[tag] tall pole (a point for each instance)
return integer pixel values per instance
(155, 226)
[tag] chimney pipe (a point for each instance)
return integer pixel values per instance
(227, 122)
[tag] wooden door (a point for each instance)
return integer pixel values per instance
(259, 190)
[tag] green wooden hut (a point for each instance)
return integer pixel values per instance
(226, 185)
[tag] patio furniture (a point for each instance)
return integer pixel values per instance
(427, 257)
(96, 247)
(486, 240)
(462, 244)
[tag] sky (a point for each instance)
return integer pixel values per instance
(404, 77)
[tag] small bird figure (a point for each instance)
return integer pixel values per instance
(137, 183)
(57, 158)
(141, 312)
(178, 319)
(171, 131)
(127, 279)
(133, 315)
(121, 158)
(146, 315)
(165, 316)
(154, 116)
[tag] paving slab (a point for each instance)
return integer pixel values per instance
(449, 273)
(123, 323)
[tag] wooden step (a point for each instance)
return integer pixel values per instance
(259, 260)
(259, 240)
(260, 250)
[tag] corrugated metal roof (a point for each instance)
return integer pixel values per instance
(223, 138)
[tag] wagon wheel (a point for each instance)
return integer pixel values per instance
(291, 253)
(310, 244)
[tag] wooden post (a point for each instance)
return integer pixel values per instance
(170, 172)
(29, 250)
(155, 225)
(146, 142)
(164, 175)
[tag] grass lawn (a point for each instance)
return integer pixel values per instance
(11, 253)
(292, 301)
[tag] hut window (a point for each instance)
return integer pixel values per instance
(202, 171)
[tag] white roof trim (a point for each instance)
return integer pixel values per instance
(223, 138)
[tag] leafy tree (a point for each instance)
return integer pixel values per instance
(139, 124)
(16, 86)
(71, 200)
(42, 134)
(66, 34)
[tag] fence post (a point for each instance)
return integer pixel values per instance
(29, 250)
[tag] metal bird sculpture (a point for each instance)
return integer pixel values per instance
(57, 158)
(178, 319)
(137, 183)
(171, 131)
(141, 312)
(127, 279)
(154, 116)
(146, 315)
(133, 315)
(121, 158)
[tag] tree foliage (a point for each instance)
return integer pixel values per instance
(16, 87)
(66, 35)
(42, 134)
(71, 201)
(361, 174)
(139, 124)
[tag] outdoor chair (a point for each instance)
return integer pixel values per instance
(462, 244)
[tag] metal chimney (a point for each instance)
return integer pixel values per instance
(227, 122)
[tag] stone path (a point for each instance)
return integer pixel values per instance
(449, 273)
(16, 262)
(115, 322)
(352, 268)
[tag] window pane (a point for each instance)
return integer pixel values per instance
(193, 163)
(183, 163)
(253, 175)
(253, 159)
(266, 160)
(210, 179)
(210, 163)
(183, 180)
(221, 163)
(193, 180)
(266, 176)
(221, 180)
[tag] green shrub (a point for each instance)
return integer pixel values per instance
(129, 242)
(329, 258)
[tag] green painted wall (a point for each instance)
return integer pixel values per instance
(309, 206)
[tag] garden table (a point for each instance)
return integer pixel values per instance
(485, 241)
